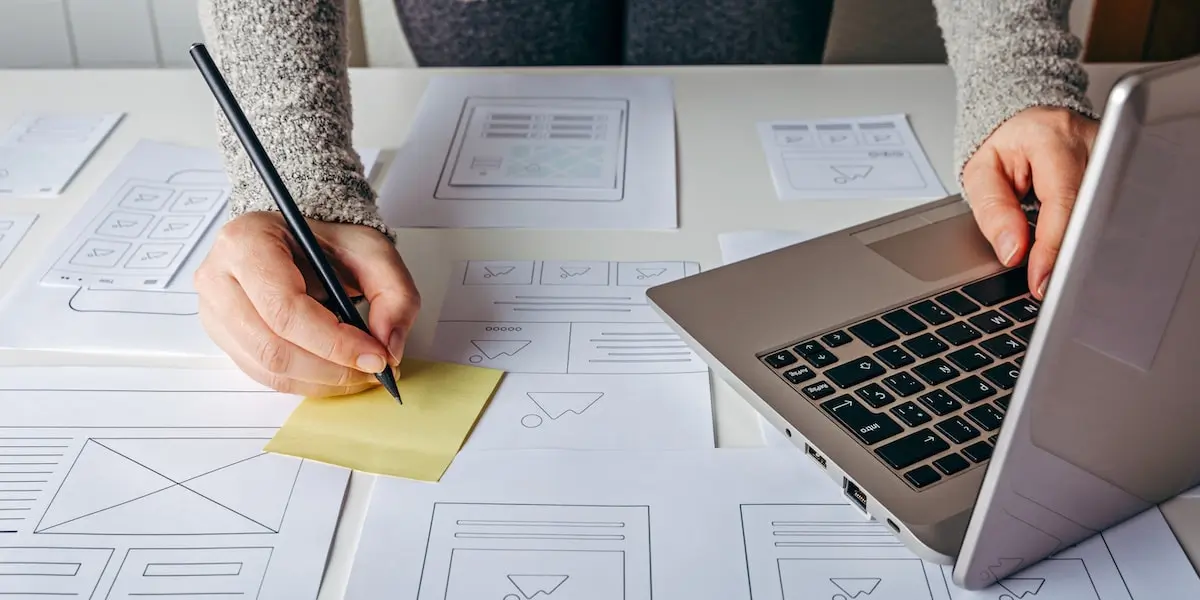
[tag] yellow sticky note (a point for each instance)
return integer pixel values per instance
(371, 432)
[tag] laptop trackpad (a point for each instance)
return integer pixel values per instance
(940, 250)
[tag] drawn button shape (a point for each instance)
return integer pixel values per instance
(146, 197)
(176, 228)
(100, 253)
(124, 224)
(153, 256)
(197, 201)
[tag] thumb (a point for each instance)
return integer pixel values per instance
(388, 287)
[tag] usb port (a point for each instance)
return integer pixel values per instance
(815, 455)
(854, 494)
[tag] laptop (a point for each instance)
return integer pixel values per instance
(986, 429)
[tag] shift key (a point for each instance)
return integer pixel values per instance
(869, 427)
(912, 449)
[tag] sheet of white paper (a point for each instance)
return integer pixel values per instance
(749, 524)
(588, 363)
(848, 158)
(102, 318)
(126, 483)
(530, 151)
(12, 230)
(40, 154)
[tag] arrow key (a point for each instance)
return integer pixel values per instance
(912, 448)
(854, 372)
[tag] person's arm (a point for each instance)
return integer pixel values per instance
(1007, 56)
(286, 61)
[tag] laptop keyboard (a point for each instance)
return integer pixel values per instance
(925, 386)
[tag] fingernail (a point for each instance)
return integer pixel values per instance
(396, 346)
(1007, 246)
(1041, 288)
(371, 363)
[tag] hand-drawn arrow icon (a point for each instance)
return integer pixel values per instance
(649, 273)
(568, 272)
(490, 272)
(98, 252)
(123, 224)
(496, 348)
(154, 254)
(848, 173)
(531, 586)
(856, 586)
(1023, 586)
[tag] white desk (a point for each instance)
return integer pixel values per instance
(724, 182)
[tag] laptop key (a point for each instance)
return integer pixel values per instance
(940, 403)
(1020, 360)
(922, 476)
(780, 359)
(895, 357)
(932, 313)
(987, 417)
(903, 384)
(959, 333)
(1002, 402)
(818, 390)
(925, 345)
(854, 372)
(957, 303)
(875, 395)
(904, 322)
(935, 372)
(990, 322)
(1021, 310)
(1003, 375)
(951, 464)
(957, 430)
(969, 358)
(992, 440)
(912, 448)
(874, 333)
(971, 389)
(821, 360)
(1024, 332)
(911, 414)
(798, 375)
(869, 427)
(999, 288)
(809, 347)
(836, 338)
(978, 452)
(1002, 346)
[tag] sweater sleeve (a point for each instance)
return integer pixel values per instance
(286, 61)
(1007, 56)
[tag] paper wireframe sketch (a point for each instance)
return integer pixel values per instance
(156, 486)
(870, 157)
(588, 363)
(755, 524)
(522, 151)
(40, 154)
(12, 230)
(106, 318)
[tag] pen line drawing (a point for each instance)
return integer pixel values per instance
(557, 404)
(40, 571)
(190, 572)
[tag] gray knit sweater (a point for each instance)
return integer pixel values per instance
(287, 62)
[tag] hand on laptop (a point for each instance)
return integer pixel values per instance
(263, 310)
(1041, 147)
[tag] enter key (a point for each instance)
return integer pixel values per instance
(869, 427)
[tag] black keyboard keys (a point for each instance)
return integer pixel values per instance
(951, 464)
(925, 345)
(988, 418)
(798, 375)
(969, 358)
(959, 333)
(1025, 332)
(818, 390)
(922, 476)
(912, 448)
(911, 414)
(978, 452)
(1002, 346)
(999, 288)
(903, 384)
(1003, 401)
(875, 395)
(821, 360)
(932, 313)
(957, 430)
(904, 322)
(957, 303)
(1021, 310)
(971, 389)
(854, 372)
(780, 359)
(874, 333)
(894, 357)
(809, 347)
(990, 322)
(835, 339)
(935, 372)
(869, 427)
(1003, 375)
(940, 403)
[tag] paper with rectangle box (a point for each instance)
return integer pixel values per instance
(41, 153)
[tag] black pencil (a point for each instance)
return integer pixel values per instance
(344, 308)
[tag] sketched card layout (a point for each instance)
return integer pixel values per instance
(588, 363)
(164, 492)
(573, 152)
(853, 158)
(40, 154)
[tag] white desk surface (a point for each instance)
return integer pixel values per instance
(724, 185)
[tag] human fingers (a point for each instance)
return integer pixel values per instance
(990, 192)
(386, 284)
(235, 326)
(1057, 172)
